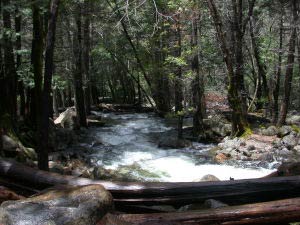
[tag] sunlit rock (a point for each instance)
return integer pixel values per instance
(66, 206)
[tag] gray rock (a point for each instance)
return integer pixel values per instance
(218, 125)
(270, 131)
(251, 148)
(284, 130)
(8, 143)
(297, 148)
(230, 143)
(68, 206)
(173, 142)
(294, 119)
(208, 204)
(290, 140)
(14, 149)
(209, 177)
(214, 204)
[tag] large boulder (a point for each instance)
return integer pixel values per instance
(13, 148)
(65, 206)
(270, 131)
(294, 119)
(218, 125)
(290, 140)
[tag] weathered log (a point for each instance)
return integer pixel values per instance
(274, 212)
(135, 193)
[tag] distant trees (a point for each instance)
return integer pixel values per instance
(166, 54)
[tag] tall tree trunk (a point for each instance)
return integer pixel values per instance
(290, 67)
(86, 57)
(178, 79)
(198, 82)
(78, 85)
(10, 74)
(239, 119)
(261, 67)
(20, 88)
(37, 63)
(275, 92)
(43, 141)
(237, 48)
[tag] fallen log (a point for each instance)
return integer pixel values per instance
(164, 193)
(274, 212)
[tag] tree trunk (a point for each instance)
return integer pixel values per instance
(235, 99)
(20, 88)
(86, 57)
(261, 67)
(277, 79)
(198, 82)
(78, 86)
(164, 193)
(178, 86)
(290, 67)
(43, 141)
(10, 74)
(37, 64)
(275, 212)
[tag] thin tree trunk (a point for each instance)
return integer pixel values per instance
(20, 88)
(275, 92)
(10, 73)
(86, 57)
(290, 67)
(198, 83)
(43, 142)
(55, 103)
(261, 67)
(178, 81)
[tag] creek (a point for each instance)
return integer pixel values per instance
(129, 146)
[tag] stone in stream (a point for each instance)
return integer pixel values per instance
(173, 142)
(208, 177)
(65, 206)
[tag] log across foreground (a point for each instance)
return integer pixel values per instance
(164, 193)
(274, 212)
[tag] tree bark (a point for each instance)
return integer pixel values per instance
(20, 88)
(239, 120)
(78, 85)
(198, 82)
(263, 97)
(43, 141)
(37, 64)
(290, 67)
(178, 86)
(277, 79)
(164, 193)
(274, 212)
(86, 57)
(10, 74)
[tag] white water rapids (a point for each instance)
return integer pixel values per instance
(132, 140)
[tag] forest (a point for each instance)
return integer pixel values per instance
(149, 112)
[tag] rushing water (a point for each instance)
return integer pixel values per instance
(131, 141)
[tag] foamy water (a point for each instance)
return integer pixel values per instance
(127, 143)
